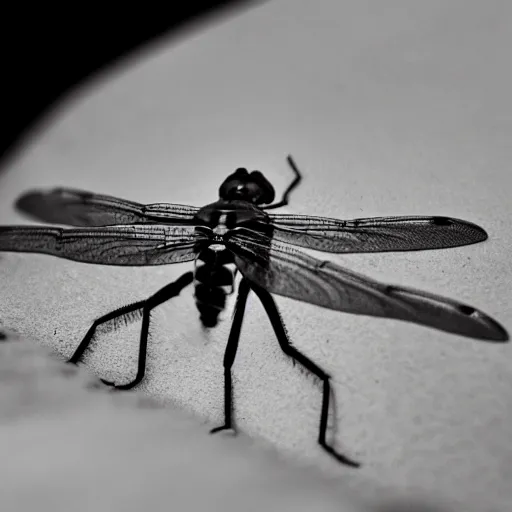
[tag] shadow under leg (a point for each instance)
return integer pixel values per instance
(162, 295)
(230, 353)
(282, 337)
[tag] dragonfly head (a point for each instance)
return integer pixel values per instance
(251, 187)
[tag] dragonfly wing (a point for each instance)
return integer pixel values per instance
(80, 208)
(130, 245)
(376, 234)
(285, 271)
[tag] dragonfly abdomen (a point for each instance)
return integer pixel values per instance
(214, 279)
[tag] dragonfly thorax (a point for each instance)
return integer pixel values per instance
(224, 215)
(251, 187)
(221, 229)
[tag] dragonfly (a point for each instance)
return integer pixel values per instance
(237, 234)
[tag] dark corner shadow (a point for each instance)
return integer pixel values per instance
(50, 52)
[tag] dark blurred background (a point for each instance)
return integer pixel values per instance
(47, 51)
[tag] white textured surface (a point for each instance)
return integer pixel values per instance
(389, 108)
(68, 446)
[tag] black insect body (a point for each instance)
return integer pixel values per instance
(236, 234)
(215, 268)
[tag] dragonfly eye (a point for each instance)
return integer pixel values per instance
(267, 193)
(240, 173)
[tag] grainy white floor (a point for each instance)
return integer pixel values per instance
(391, 108)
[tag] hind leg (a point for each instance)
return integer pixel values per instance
(162, 295)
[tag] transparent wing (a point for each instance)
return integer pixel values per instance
(376, 234)
(80, 208)
(286, 271)
(129, 245)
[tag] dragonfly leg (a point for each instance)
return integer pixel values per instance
(162, 295)
(295, 182)
(230, 353)
(282, 337)
(77, 355)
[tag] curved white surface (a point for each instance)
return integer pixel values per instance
(389, 109)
